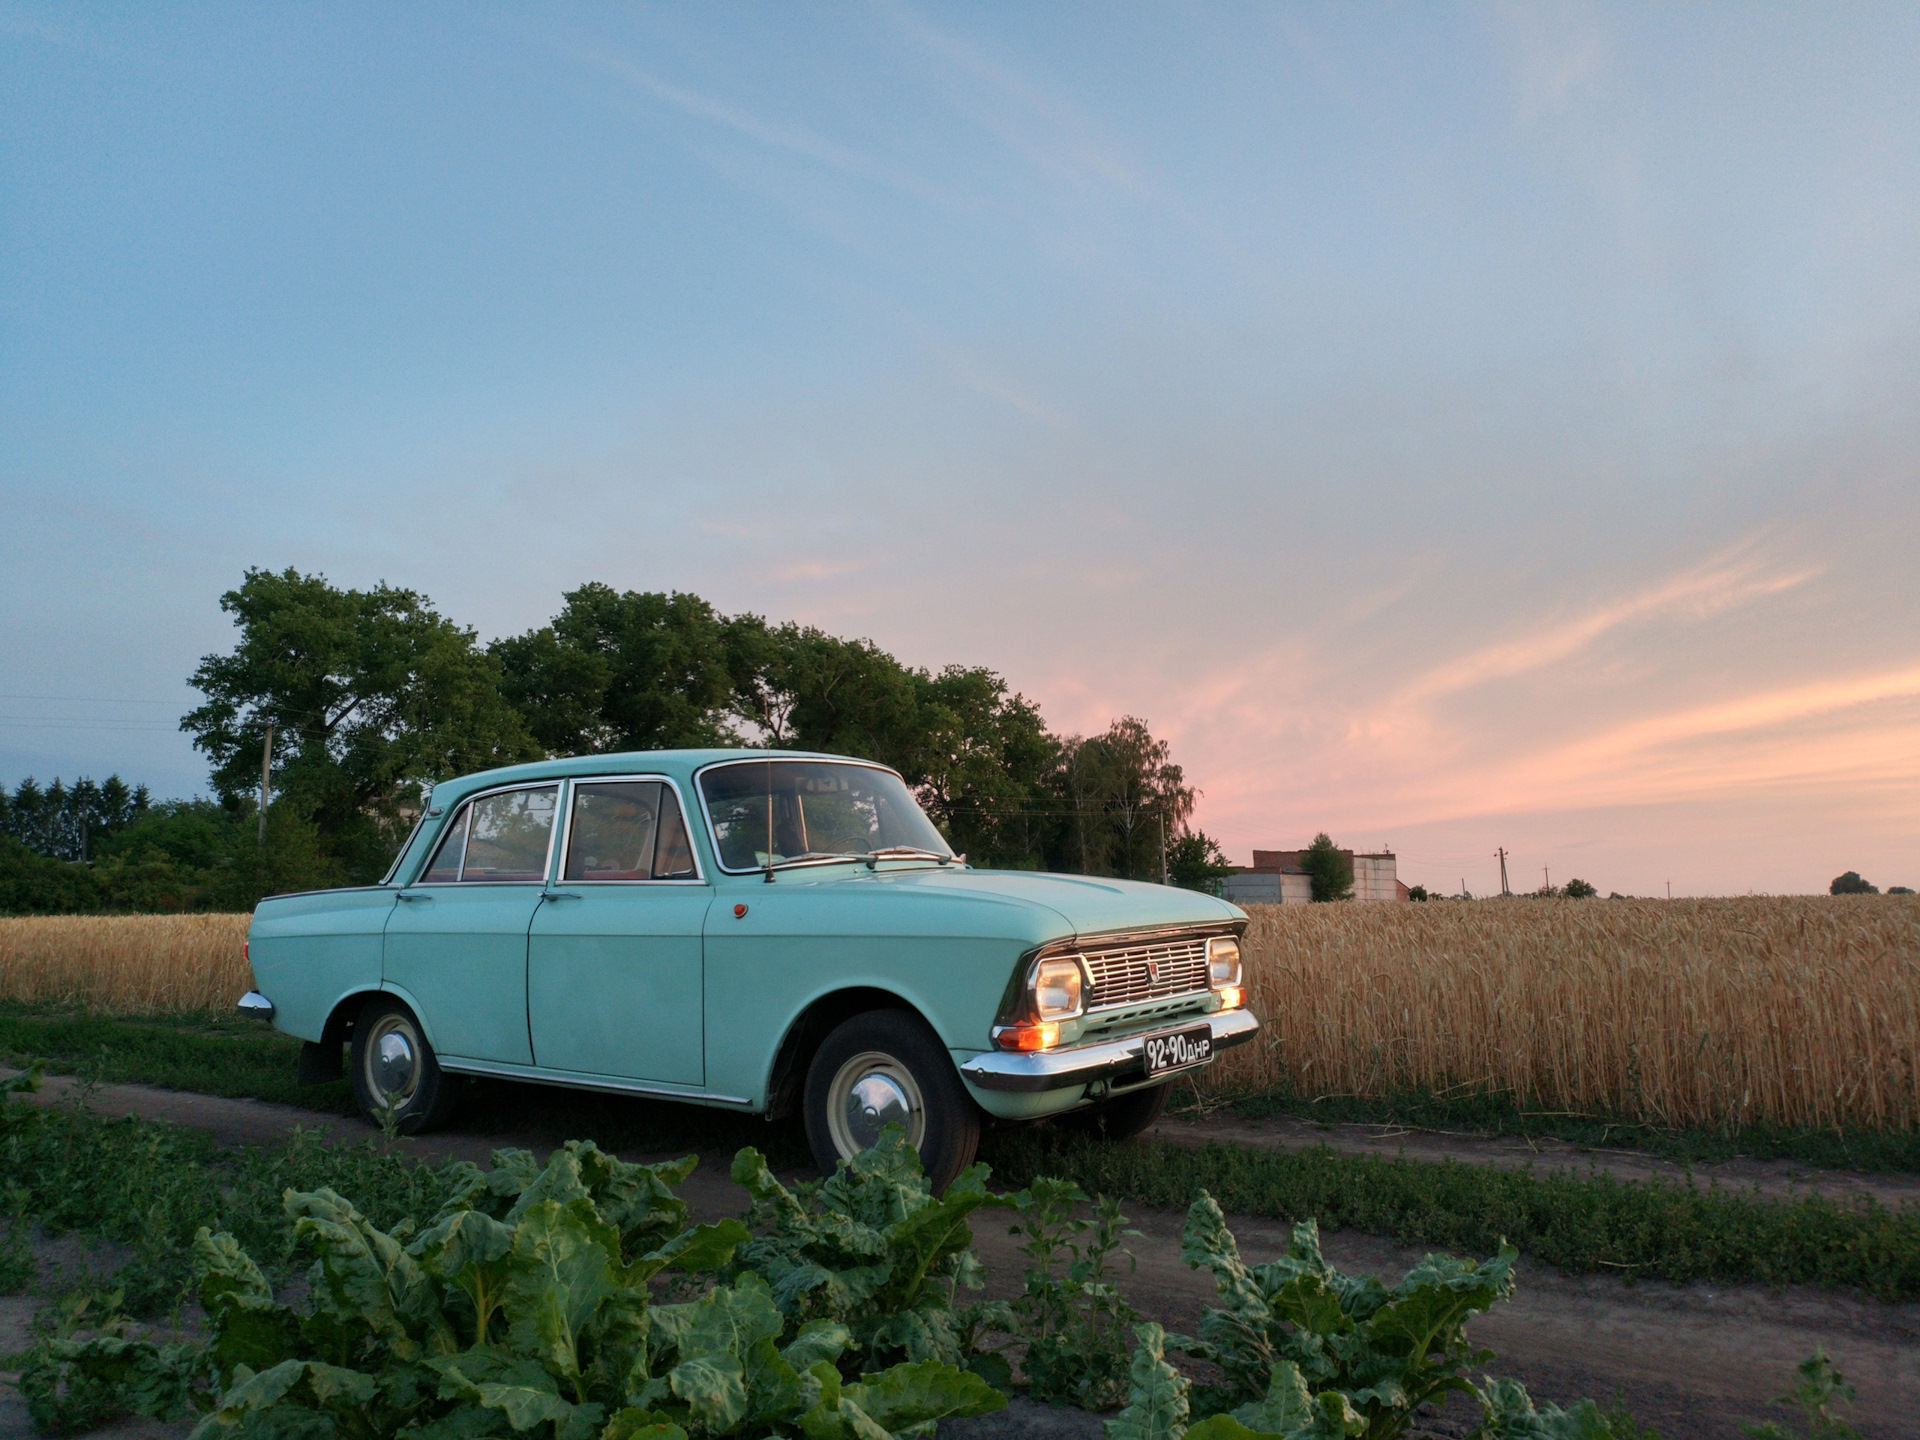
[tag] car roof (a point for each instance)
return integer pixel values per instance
(678, 763)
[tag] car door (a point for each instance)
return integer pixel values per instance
(614, 964)
(457, 941)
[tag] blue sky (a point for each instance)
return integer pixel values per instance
(1453, 426)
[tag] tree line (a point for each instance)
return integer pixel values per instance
(359, 700)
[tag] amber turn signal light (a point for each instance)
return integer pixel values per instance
(1043, 1035)
(1232, 997)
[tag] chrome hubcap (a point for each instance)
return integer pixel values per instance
(393, 1060)
(870, 1092)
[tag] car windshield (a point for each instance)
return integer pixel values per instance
(768, 811)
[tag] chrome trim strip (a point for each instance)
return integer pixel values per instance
(602, 1084)
(713, 836)
(255, 1004)
(557, 870)
(1083, 1064)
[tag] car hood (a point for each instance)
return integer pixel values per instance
(1088, 905)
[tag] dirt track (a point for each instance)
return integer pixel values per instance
(1692, 1360)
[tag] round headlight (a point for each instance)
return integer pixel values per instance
(1056, 989)
(1223, 961)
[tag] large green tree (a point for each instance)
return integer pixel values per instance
(622, 670)
(371, 694)
(1125, 797)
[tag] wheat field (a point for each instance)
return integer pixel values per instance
(1798, 1010)
(125, 964)
(1801, 1011)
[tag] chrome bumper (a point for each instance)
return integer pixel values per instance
(257, 1005)
(1082, 1064)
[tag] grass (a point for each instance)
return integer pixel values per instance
(1483, 1113)
(1580, 1224)
(211, 1054)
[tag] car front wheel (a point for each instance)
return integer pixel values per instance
(395, 1076)
(886, 1067)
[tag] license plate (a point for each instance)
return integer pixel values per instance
(1179, 1050)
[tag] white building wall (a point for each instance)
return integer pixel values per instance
(1374, 878)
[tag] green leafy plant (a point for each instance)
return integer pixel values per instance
(1072, 1316)
(1308, 1353)
(872, 1249)
(526, 1306)
(93, 1367)
(1814, 1393)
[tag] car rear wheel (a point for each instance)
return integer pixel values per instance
(886, 1067)
(1122, 1117)
(394, 1072)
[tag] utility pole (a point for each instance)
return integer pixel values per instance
(1165, 878)
(1669, 889)
(1547, 875)
(266, 781)
(1502, 852)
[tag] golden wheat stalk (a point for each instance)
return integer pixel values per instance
(1802, 1011)
(125, 964)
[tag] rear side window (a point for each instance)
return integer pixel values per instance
(499, 838)
(508, 834)
(627, 830)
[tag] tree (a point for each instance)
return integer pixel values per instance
(1329, 868)
(371, 695)
(981, 763)
(1196, 862)
(1121, 789)
(1899, 890)
(1850, 883)
(633, 670)
(1579, 890)
(70, 823)
(1419, 892)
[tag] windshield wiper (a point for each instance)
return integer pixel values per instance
(910, 852)
(811, 857)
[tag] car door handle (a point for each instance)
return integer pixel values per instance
(411, 895)
(559, 895)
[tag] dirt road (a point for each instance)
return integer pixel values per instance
(1691, 1360)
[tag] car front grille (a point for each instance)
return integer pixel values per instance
(1134, 974)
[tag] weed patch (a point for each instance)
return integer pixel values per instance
(1581, 1224)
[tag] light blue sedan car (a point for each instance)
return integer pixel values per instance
(761, 931)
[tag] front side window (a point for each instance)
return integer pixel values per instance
(627, 830)
(500, 838)
(767, 811)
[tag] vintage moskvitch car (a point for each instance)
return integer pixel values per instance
(754, 930)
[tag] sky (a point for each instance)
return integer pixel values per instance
(1453, 427)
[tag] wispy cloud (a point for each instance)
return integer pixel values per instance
(1720, 584)
(1025, 115)
(790, 138)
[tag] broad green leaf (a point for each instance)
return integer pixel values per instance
(705, 1247)
(725, 1321)
(560, 1270)
(714, 1387)
(841, 1421)
(636, 1424)
(909, 1396)
(818, 1340)
(1509, 1413)
(1286, 1407)
(471, 1250)
(1157, 1402)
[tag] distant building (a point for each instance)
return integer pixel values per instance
(1275, 878)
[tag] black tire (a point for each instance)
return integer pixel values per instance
(1122, 1117)
(908, 1075)
(388, 1046)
